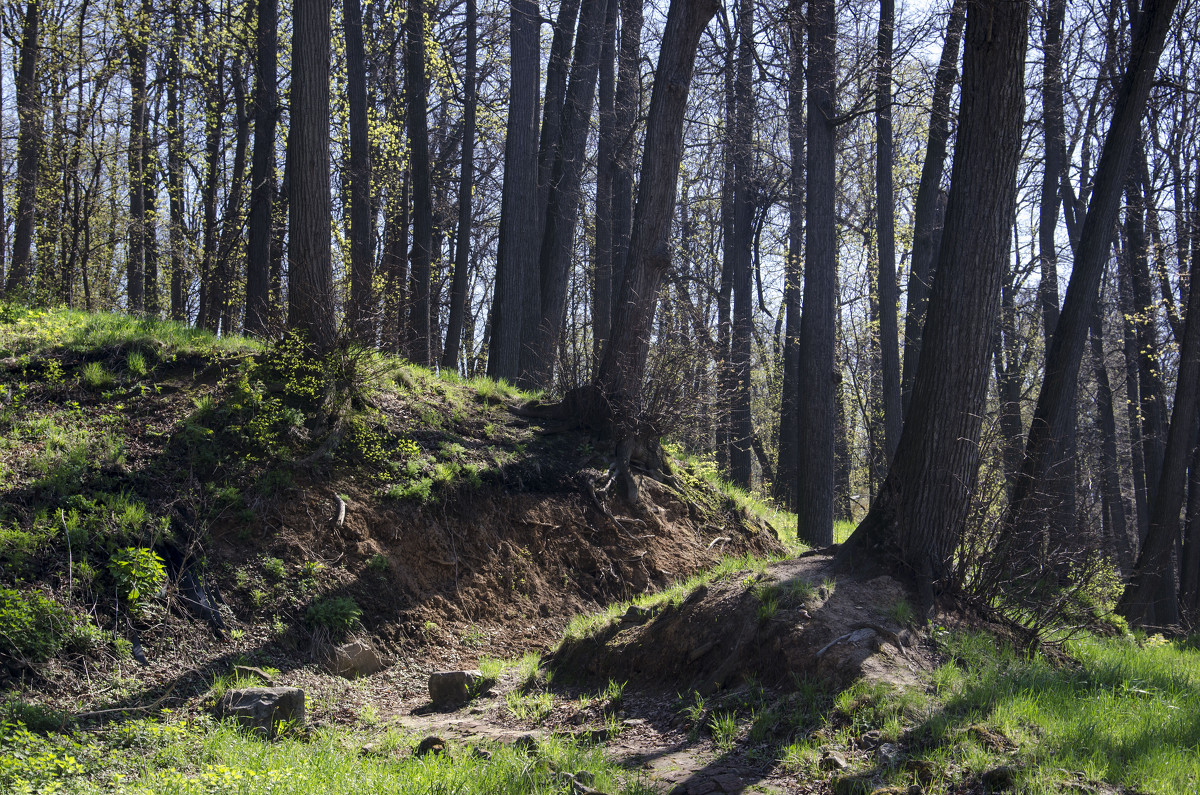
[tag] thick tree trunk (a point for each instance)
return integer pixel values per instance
(262, 170)
(310, 265)
(417, 97)
(220, 307)
(214, 115)
(466, 183)
(29, 151)
(740, 424)
(889, 299)
(623, 367)
(1110, 476)
(360, 311)
(927, 215)
(789, 420)
(517, 253)
(626, 105)
(915, 522)
(1057, 398)
(814, 505)
(396, 266)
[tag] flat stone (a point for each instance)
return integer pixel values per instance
(702, 787)
(527, 743)
(455, 688)
(262, 709)
(729, 782)
(355, 659)
(888, 754)
(832, 760)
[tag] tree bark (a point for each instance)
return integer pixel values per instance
(175, 164)
(623, 367)
(927, 215)
(310, 265)
(466, 183)
(360, 311)
(789, 407)
(29, 151)
(602, 293)
(136, 37)
(814, 506)
(740, 421)
(889, 343)
(626, 105)
(262, 170)
(517, 253)
(914, 524)
(1110, 476)
(417, 96)
(1056, 400)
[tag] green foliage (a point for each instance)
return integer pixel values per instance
(32, 625)
(901, 612)
(138, 572)
(274, 568)
(378, 563)
(336, 614)
(724, 728)
(135, 363)
(95, 377)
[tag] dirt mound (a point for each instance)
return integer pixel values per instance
(496, 572)
(792, 620)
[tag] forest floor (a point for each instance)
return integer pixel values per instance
(686, 645)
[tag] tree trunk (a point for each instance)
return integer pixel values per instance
(915, 522)
(262, 170)
(927, 216)
(231, 228)
(136, 37)
(889, 299)
(623, 367)
(562, 208)
(1110, 475)
(626, 105)
(310, 265)
(29, 151)
(175, 164)
(466, 182)
(789, 421)
(417, 100)
(1150, 598)
(517, 253)
(740, 421)
(814, 505)
(1057, 398)
(360, 311)
(605, 169)
(1133, 400)
(214, 115)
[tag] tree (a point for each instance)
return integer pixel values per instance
(310, 267)
(417, 98)
(814, 503)
(914, 522)
(742, 241)
(360, 320)
(262, 170)
(29, 143)
(516, 256)
(889, 343)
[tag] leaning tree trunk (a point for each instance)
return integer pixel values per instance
(623, 367)
(914, 524)
(926, 214)
(310, 264)
(1057, 397)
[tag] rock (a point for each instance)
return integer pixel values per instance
(354, 660)
(527, 743)
(923, 769)
(430, 745)
(887, 755)
(585, 777)
(870, 739)
(999, 779)
(831, 760)
(454, 688)
(246, 671)
(482, 753)
(701, 650)
(262, 709)
(729, 782)
(637, 615)
(916, 789)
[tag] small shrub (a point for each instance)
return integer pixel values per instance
(901, 612)
(35, 717)
(135, 362)
(274, 568)
(723, 726)
(378, 563)
(138, 572)
(95, 377)
(337, 614)
(31, 625)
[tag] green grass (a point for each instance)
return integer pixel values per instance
(199, 757)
